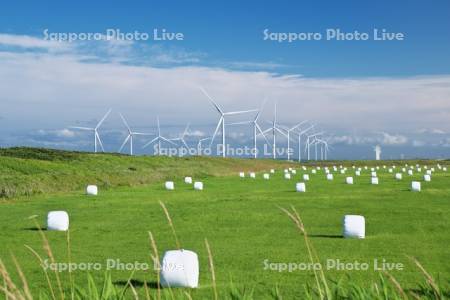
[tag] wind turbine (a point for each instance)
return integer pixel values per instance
(181, 137)
(199, 145)
(274, 130)
(308, 143)
(288, 130)
(95, 130)
(222, 120)
(130, 135)
(300, 141)
(256, 128)
(159, 138)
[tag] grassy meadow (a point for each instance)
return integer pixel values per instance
(240, 217)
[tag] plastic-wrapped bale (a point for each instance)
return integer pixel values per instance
(354, 226)
(327, 171)
(306, 177)
(373, 174)
(342, 171)
(304, 168)
(290, 169)
(358, 173)
(398, 176)
(313, 171)
(318, 167)
(372, 169)
(266, 176)
(365, 167)
(419, 170)
(403, 170)
(427, 177)
(179, 268)
(92, 190)
(294, 171)
(287, 176)
(198, 185)
(349, 180)
(300, 187)
(415, 186)
(58, 220)
(410, 172)
(329, 176)
(241, 174)
(188, 180)
(286, 171)
(252, 175)
(429, 172)
(169, 185)
(432, 169)
(444, 169)
(374, 180)
(390, 170)
(272, 171)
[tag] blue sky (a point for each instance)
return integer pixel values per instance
(395, 93)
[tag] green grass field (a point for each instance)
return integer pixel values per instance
(240, 217)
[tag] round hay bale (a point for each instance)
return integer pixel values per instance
(58, 221)
(198, 185)
(305, 177)
(374, 180)
(415, 186)
(169, 185)
(329, 176)
(188, 180)
(354, 226)
(91, 190)
(349, 180)
(179, 268)
(300, 187)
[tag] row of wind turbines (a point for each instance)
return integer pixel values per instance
(294, 134)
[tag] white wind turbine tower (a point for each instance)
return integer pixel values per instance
(324, 148)
(256, 129)
(377, 150)
(302, 132)
(130, 135)
(159, 138)
(222, 121)
(95, 130)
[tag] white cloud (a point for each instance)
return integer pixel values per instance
(25, 41)
(60, 89)
(394, 139)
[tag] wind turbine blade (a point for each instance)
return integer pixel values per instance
(152, 141)
(103, 119)
(241, 123)
(239, 112)
(299, 124)
(186, 130)
(124, 143)
(100, 141)
(82, 128)
(125, 122)
(141, 133)
(262, 133)
(215, 132)
(212, 101)
(184, 143)
(169, 141)
(280, 131)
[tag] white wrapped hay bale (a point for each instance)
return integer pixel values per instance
(266, 176)
(398, 176)
(313, 171)
(290, 169)
(241, 174)
(354, 226)
(327, 171)
(358, 173)
(373, 174)
(91, 190)
(390, 170)
(169, 185)
(188, 180)
(415, 186)
(252, 175)
(179, 268)
(272, 171)
(410, 172)
(58, 220)
(304, 168)
(427, 177)
(419, 170)
(429, 172)
(300, 187)
(365, 167)
(403, 170)
(294, 171)
(374, 180)
(305, 177)
(432, 169)
(286, 171)
(349, 180)
(329, 176)
(287, 176)
(198, 185)
(342, 171)
(372, 169)
(444, 169)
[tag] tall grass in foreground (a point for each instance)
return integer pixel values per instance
(322, 288)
